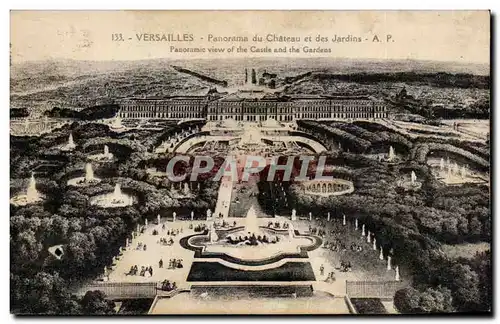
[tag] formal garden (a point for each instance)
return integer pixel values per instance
(415, 224)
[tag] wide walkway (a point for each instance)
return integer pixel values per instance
(186, 303)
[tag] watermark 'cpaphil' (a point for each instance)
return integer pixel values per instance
(243, 168)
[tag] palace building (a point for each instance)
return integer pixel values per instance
(253, 105)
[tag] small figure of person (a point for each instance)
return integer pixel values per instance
(321, 270)
(160, 263)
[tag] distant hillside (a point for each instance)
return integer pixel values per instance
(440, 79)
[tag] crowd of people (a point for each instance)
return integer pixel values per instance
(141, 246)
(198, 228)
(168, 286)
(146, 271)
(335, 243)
(278, 225)
(173, 264)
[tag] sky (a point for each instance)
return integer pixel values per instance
(461, 36)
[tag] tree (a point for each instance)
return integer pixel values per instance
(465, 286)
(407, 300)
(95, 303)
(432, 300)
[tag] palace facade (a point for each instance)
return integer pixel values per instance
(253, 108)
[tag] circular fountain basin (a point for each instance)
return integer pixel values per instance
(101, 157)
(23, 200)
(67, 148)
(409, 186)
(110, 200)
(83, 182)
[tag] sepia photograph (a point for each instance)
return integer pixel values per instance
(250, 163)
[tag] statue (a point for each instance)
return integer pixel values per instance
(363, 230)
(192, 215)
(343, 220)
(381, 255)
(368, 237)
(158, 219)
(388, 262)
(374, 244)
(294, 215)
(174, 214)
(186, 188)
(209, 214)
(213, 234)
(310, 216)
(328, 217)
(397, 274)
(356, 224)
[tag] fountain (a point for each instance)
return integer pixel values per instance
(70, 146)
(291, 231)
(89, 173)
(213, 237)
(32, 195)
(413, 178)
(251, 222)
(392, 154)
(113, 199)
(88, 179)
(105, 155)
(411, 184)
(116, 125)
(463, 171)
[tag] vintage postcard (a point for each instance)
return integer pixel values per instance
(250, 162)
